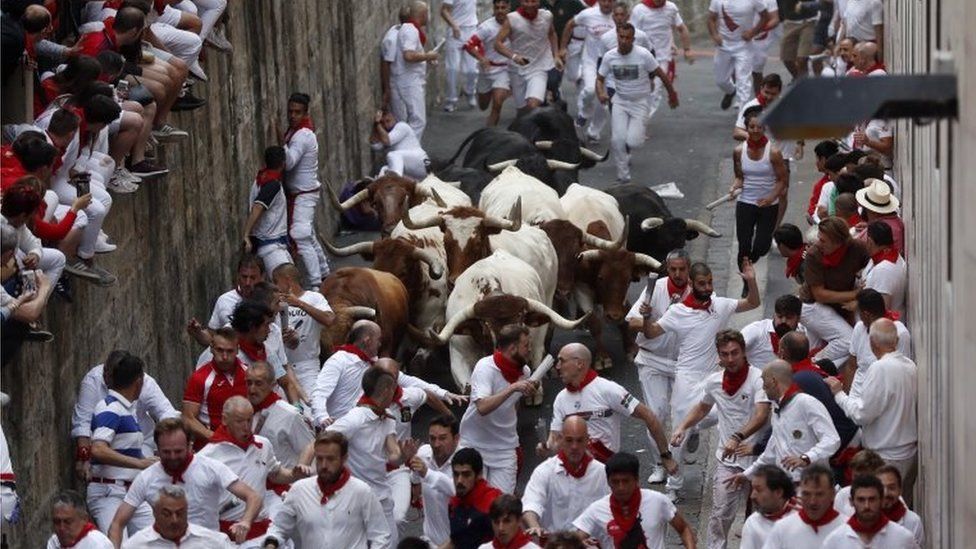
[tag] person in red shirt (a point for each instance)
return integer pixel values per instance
(211, 385)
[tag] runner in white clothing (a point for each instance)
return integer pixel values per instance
(887, 272)
(250, 271)
(172, 530)
(633, 69)
(432, 466)
(275, 419)
(461, 17)
(308, 312)
(762, 42)
(772, 499)
(266, 228)
(594, 21)
(72, 527)
(732, 24)
(815, 519)
(408, 78)
(506, 525)
(339, 384)
(660, 19)
(893, 506)
(762, 336)
(494, 84)
(388, 51)
(869, 527)
(533, 49)
(870, 307)
(404, 155)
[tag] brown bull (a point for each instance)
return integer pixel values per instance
(351, 289)
(387, 197)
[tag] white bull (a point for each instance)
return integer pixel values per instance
(585, 206)
(540, 203)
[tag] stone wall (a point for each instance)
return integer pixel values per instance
(178, 237)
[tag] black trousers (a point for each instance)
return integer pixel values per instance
(754, 227)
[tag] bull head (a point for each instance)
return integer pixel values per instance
(584, 152)
(496, 310)
(694, 225)
(553, 165)
(385, 196)
(610, 273)
(390, 259)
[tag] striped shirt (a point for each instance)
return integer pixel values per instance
(114, 422)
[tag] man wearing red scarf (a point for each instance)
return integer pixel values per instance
(211, 385)
(631, 518)
(887, 272)
(529, 39)
(275, 419)
(72, 527)
(762, 337)
(894, 507)
(408, 75)
(660, 19)
(742, 408)
(506, 523)
(171, 529)
(816, 517)
(473, 496)
(869, 527)
(772, 499)
(266, 228)
(339, 384)
(489, 424)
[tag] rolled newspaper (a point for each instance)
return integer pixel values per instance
(543, 367)
(439, 44)
(723, 199)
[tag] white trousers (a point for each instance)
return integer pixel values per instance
(760, 48)
(209, 12)
(531, 85)
(628, 121)
(273, 256)
(825, 323)
(410, 163)
(96, 211)
(734, 60)
(501, 469)
(183, 44)
(725, 504)
(302, 231)
(686, 393)
(105, 499)
(399, 482)
(574, 59)
(656, 386)
(51, 263)
(588, 107)
(387, 505)
(409, 105)
(456, 60)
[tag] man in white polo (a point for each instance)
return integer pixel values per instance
(308, 313)
(432, 465)
(339, 384)
(529, 40)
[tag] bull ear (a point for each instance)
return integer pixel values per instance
(691, 235)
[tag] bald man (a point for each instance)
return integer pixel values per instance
(602, 403)
(339, 383)
(563, 486)
(865, 60)
(886, 409)
(251, 457)
(802, 430)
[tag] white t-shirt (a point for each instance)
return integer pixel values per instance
(891, 536)
(530, 39)
(756, 529)
(402, 138)
(367, 434)
(602, 403)
(759, 341)
(557, 497)
(594, 23)
(860, 17)
(495, 431)
(735, 17)
(205, 481)
(388, 46)
(224, 308)
(609, 41)
(860, 349)
(252, 466)
(734, 410)
(659, 24)
(661, 352)
(631, 73)
(92, 540)
(792, 533)
(437, 488)
(695, 331)
(307, 328)
(656, 511)
(464, 12)
(302, 161)
(406, 73)
(195, 537)
(888, 278)
(486, 32)
(273, 222)
(286, 428)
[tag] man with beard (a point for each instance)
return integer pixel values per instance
(308, 312)
(631, 517)
(333, 505)
(695, 322)
(473, 496)
(432, 465)
(506, 524)
(211, 385)
(737, 396)
(489, 424)
(564, 485)
(656, 357)
(762, 337)
(205, 481)
(250, 271)
(869, 527)
(772, 499)
(815, 520)
(894, 507)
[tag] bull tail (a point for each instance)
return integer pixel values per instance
(464, 144)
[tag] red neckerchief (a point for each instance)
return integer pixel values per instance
(807, 365)
(793, 263)
(223, 435)
(177, 476)
(85, 530)
(692, 302)
(789, 506)
(253, 351)
(622, 523)
(676, 292)
(521, 11)
(305, 122)
(791, 392)
(853, 220)
(887, 254)
(892, 315)
(653, 6)
(352, 349)
(774, 341)
(896, 513)
(830, 515)
(861, 528)
(267, 175)
(159, 6)
(731, 383)
(398, 394)
(877, 66)
(267, 402)
(82, 124)
(729, 22)
(815, 195)
(580, 469)
(510, 370)
(475, 45)
(761, 99)
(420, 31)
(328, 490)
(590, 376)
(757, 143)
(521, 539)
(372, 405)
(834, 258)
(479, 497)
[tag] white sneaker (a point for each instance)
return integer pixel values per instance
(473, 101)
(672, 495)
(658, 474)
(123, 173)
(450, 107)
(103, 246)
(122, 186)
(218, 40)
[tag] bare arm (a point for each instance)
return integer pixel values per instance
(782, 177)
(122, 517)
(695, 415)
(672, 94)
(503, 34)
(567, 35)
(739, 134)
(437, 404)
(323, 317)
(191, 412)
(760, 26)
(654, 427)
(737, 178)
(447, 14)
(104, 453)
(252, 506)
(749, 277)
(685, 37)
(32, 310)
(680, 526)
(759, 418)
(713, 28)
(491, 403)
(252, 218)
(554, 44)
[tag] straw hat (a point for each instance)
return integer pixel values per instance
(876, 196)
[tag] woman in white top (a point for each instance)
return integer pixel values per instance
(762, 176)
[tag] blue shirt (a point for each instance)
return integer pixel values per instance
(114, 422)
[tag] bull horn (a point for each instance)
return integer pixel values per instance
(433, 264)
(543, 145)
(345, 251)
(350, 202)
(420, 337)
(437, 198)
(555, 318)
(651, 223)
(499, 166)
(622, 241)
(588, 254)
(514, 220)
(452, 324)
(702, 228)
(426, 223)
(560, 165)
(591, 155)
(597, 242)
(647, 261)
(358, 312)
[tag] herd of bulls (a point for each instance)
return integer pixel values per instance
(512, 232)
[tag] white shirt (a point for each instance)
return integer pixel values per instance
(886, 410)
(273, 222)
(759, 344)
(196, 537)
(92, 540)
(286, 428)
(388, 46)
(367, 434)
(889, 278)
(860, 17)
(661, 352)
(205, 481)
(594, 23)
(224, 308)
(530, 39)
(464, 12)
(495, 431)
(631, 73)
(860, 349)
(892, 536)
(338, 386)
(609, 41)
(792, 533)
(151, 406)
(252, 466)
(659, 24)
(558, 498)
(307, 328)
(302, 162)
(403, 412)
(735, 17)
(756, 529)
(734, 410)
(802, 427)
(695, 332)
(913, 523)
(402, 138)
(352, 518)
(487, 31)
(491, 545)
(404, 72)
(656, 511)
(437, 488)
(602, 403)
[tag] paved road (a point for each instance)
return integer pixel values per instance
(690, 146)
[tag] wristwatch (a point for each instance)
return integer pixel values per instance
(805, 458)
